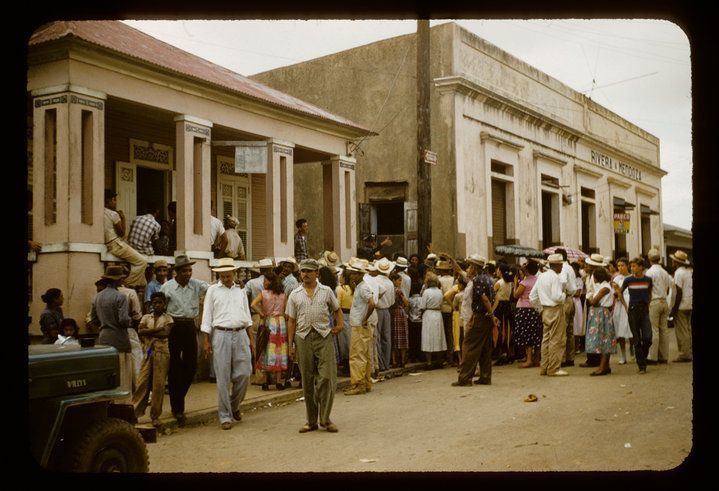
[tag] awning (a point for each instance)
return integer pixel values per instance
(645, 210)
(622, 204)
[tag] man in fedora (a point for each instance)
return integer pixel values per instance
(378, 290)
(289, 266)
(362, 332)
(662, 284)
(383, 343)
(111, 312)
(225, 319)
(183, 304)
(310, 336)
(477, 345)
(548, 294)
(682, 311)
(253, 288)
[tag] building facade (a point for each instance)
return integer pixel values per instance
(111, 107)
(521, 158)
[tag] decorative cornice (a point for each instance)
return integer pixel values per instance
(651, 193)
(77, 89)
(583, 170)
(483, 135)
(618, 182)
(541, 155)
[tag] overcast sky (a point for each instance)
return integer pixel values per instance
(639, 69)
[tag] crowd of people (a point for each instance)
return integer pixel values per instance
(309, 321)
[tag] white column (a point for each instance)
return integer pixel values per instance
(279, 196)
(340, 205)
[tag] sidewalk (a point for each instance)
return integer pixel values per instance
(201, 400)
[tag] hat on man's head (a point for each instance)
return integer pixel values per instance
(596, 260)
(182, 260)
(477, 260)
(370, 237)
(114, 272)
(555, 259)
(372, 266)
(265, 263)
(680, 257)
(291, 260)
(232, 221)
(225, 264)
(160, 263)
(401, 263)
(384, 266)
(357, 265)
(109, 194)
(331, 259)
(654, 254)
(310, 264)
(443, 266)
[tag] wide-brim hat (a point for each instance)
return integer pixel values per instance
(265, 263)
(555, 259)
(595, 260)
(225, 264)
(477, 260)
(114, 273)
(183, 260)
(443, 266)
(384, 266)
(357, 265)
(232, 221)
(680, 257)
(331, 259)
(291, 260)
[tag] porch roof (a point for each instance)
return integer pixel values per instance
(128, 41)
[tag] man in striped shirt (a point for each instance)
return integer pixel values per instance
(640, 294)
(144, 230)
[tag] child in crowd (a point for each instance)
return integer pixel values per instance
(69, 330)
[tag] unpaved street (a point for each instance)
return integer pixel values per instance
(421, 423)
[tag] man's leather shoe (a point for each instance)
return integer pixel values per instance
(569, 363)
(226, 425)
(308, 427)
(236, 415)
(588, 365)
(181, 419)
(330, 426)
(483, 381)
(460, 384)
(682, 360)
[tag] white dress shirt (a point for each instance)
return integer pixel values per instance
(548, 291)
(225, 307)
(406, 284)
(387, 300)
(377, 288)
(662, 283)
(568, 278)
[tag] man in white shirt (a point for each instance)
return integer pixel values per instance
(218, 236)
(384, 320)
(225, 319)
(377, 291)
(569, 279)
(662, 285)
(401, 266)
(548, 293)
(682, 311)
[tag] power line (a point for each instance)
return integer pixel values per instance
(620, 81)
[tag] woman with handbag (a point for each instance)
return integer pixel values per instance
(272, 343)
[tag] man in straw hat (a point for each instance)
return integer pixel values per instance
(548, 294)
(161, 270)
(183, 304)
(289, 266)
(309, 333)
(111, 312)
(383, 343)
(682, 311)
(253, 288)
(477, 345)
(662, 284)
(225, 319)
(569, 280)
(362, 332)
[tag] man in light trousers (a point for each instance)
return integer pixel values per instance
(548, 294)
(569, 282)
(682, 311)
(361, 340)
(384, 319)
(225, 319)
(662, 283)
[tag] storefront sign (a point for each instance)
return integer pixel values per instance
(621, 223)
(251, 158)
(615, 165)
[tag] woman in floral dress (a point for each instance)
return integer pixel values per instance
(272, 357)
(600, 337)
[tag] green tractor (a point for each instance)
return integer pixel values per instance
(80, 420)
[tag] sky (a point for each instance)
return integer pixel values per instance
(638, 69)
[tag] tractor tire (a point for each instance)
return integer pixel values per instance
(108, 445)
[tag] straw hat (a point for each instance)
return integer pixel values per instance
(443, 266)
(357, 265)
(291, 260)
(232, 221)
(401, 263)
(653, 253)
(596, 260)
(555, 259)
(385, 266)
(477, 260)
(680, 257)
(330, 259)
(225, 264)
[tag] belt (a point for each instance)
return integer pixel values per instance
(183, 318)
(230, 329)
(659, 299)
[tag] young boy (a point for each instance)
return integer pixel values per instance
(154, 330)
(640, 293)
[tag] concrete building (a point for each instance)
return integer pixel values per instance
(111, 107)
(522, 158)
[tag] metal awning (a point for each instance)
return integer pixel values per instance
(645, 210)
(621, 203)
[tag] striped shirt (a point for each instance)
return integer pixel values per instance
(640, 289)
(143, 231)
(312, 312)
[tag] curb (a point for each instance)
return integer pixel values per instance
(209, 415)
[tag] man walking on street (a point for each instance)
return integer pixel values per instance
(114, 226)
(363, 306)
(662, 284)
(548, 293)
(225, 319)
(640, 293)
(569, 282)
(477, 345)
(309, 332)
(183, 305)
(682, 311)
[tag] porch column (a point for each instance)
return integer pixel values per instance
(68, 198)
(339, 199)
(280, 200)
(192, 141)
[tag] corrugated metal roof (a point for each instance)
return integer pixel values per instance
(119, 37)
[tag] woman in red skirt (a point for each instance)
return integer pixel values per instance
(398, 314)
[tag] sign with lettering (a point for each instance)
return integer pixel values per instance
(607, 162)
(621, 223)
(151, 154)
(251, 158)
(429, 157)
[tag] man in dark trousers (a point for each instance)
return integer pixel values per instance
(183, 305)
(477, 346)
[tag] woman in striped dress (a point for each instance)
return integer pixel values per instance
(600, 337)
(398, 314)
(272, 354)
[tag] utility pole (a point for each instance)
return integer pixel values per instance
(424, 142)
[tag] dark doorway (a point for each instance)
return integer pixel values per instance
(546, 220)
(390, 218)
(150, 190)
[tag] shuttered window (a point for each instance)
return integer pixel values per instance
(499, 212)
